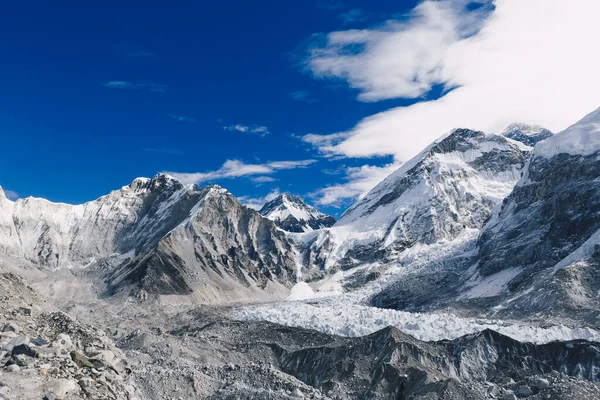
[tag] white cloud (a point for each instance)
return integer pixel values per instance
(359, 181)
(263, 179)
(150, 86)
(236, 169)
(254, 129)
(302, 95)
(532, 61)
(181, 118)
(10, 194)
(351, 16)
(258, 202)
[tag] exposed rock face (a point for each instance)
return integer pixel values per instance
(292, 214)
(223, 250)
(529, 135)
(550, 221)
(450, 188)
(167, 238)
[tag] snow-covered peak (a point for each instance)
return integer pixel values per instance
(292, 214)
(526, 133)
(450, 188)
(2, 194)
(582, 138)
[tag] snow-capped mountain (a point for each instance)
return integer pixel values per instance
(547, 232)
(448, 189)
(192, 233)
(292, 214)
(526, 134)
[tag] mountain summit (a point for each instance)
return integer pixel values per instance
(292, 214)
(527, 134)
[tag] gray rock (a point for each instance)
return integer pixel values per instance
(19, 340)
(13, 368)
(24, 350)
(524, 391)
(11, 327)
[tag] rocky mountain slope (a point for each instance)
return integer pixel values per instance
(155, 236)
(292, 214)
(537, 255)
(548, 230)
(448, 190)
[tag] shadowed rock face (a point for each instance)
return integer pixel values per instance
(546, 218)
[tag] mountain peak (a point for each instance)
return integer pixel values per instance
(292, 214)
(527, 134)
(582, 138)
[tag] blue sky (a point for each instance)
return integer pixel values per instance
(197, 67)
(94, 94)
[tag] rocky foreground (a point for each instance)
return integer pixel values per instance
(130, 353)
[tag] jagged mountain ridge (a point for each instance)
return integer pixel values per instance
(139, 225)
(292, 214)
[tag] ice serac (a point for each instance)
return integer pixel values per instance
(529, 135)
(549, 226)
(449, 188)
(222, 251)
(292, 214)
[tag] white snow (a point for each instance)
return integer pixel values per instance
(583, 251)
(301, 291)
(525, 129)
(582, 138)
(492, 285)
(340, 317)
(300, 211)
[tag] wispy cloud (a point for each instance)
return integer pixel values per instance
(263, 179)
(258, 202)
(237, 168)
(133, 51)
(253, 129)
(162, 151)
(10, 194)
(330, 5)
(303, 95)
(150, 86)
(507, 61)
(181, 118)
(352, 16)
(358, 181)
